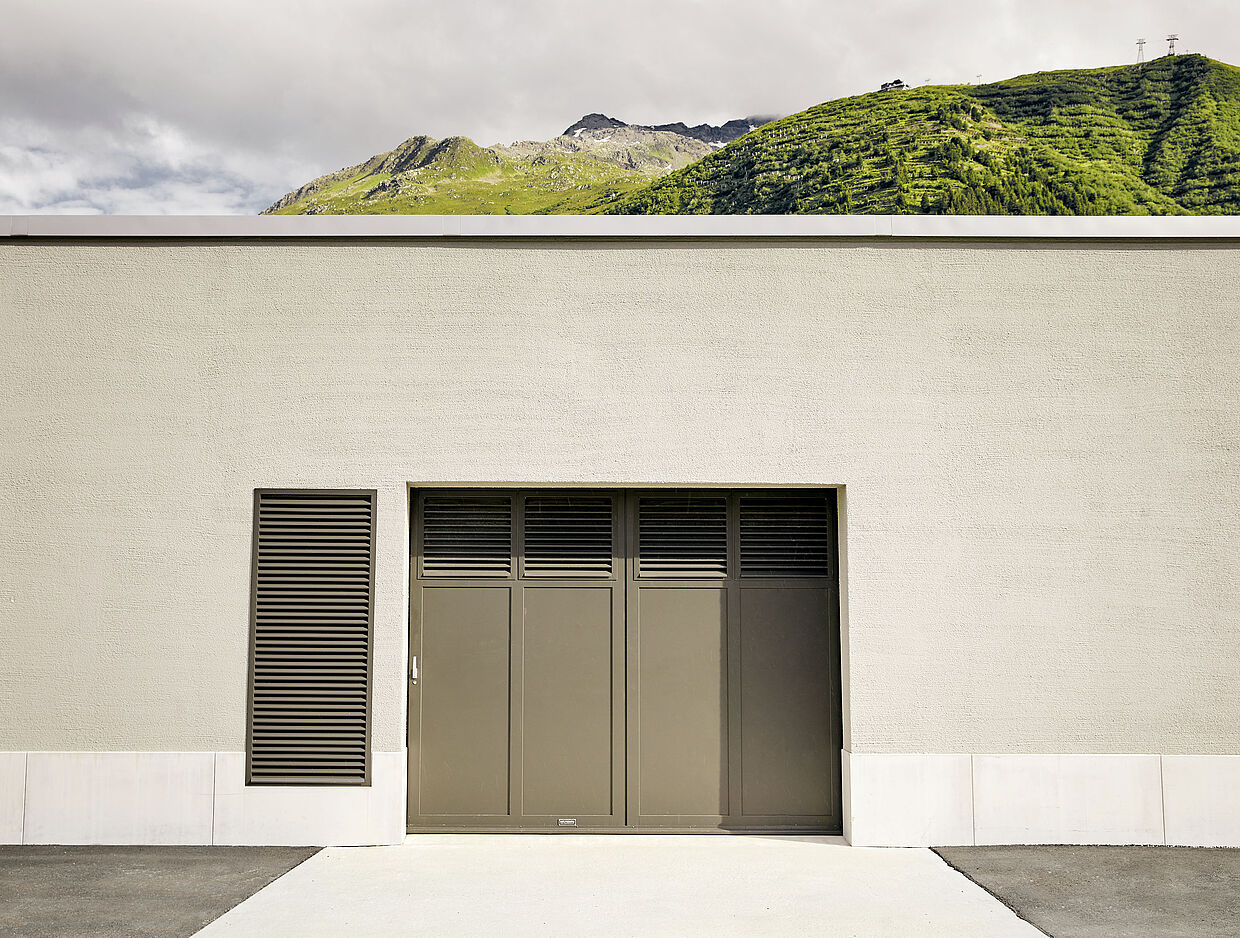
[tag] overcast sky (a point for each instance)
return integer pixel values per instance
(172, 106)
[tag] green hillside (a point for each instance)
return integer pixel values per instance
(1157, 138)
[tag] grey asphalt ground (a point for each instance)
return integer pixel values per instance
(1092, 892)
(1067, 892)
(130, 892)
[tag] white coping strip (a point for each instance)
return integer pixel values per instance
(619, 226)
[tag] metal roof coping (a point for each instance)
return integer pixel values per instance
(621, 226)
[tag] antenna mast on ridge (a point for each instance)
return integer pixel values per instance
(1171, 41)
(1140, 51)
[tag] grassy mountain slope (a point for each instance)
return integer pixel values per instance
(455, 176)
(1158, 138)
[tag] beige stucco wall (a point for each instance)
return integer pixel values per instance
(1040, 443)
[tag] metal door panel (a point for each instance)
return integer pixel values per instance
(463, 684)
(566, 714)
(678, 707)
(785, 705)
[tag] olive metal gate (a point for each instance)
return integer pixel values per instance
(624, 660)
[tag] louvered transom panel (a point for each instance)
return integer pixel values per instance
(312, 606)
(568, 535)
(467, 535)
(682, 535)
(785, 535)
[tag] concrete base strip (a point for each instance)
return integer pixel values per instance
(641, 885)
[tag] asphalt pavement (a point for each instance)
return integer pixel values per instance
(130, 892)
(511, 885)
(1111, 892)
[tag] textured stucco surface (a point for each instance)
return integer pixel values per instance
(1039, 443)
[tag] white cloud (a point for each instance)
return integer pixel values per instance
(224, 105)
(142, 165)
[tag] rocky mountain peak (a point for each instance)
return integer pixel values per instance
(706, 133)
(593, 122)
(594, 159)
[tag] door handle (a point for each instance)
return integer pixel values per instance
(413, 670)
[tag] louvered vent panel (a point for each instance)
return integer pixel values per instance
(682, 535)
(467, 535)
(785, 536)
(312, 600)
(568, 535)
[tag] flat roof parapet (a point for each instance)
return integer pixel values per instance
(621, 226)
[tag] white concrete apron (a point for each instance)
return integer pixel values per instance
(641, 885)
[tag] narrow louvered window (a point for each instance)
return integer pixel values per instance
(568, 535)
(466, 535)
(682, 535)
(310, 659)
(785, 535)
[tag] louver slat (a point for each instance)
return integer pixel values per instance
(785, 536)
(310, 679)
(467, 535)
(682, 536)
(568, 535)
